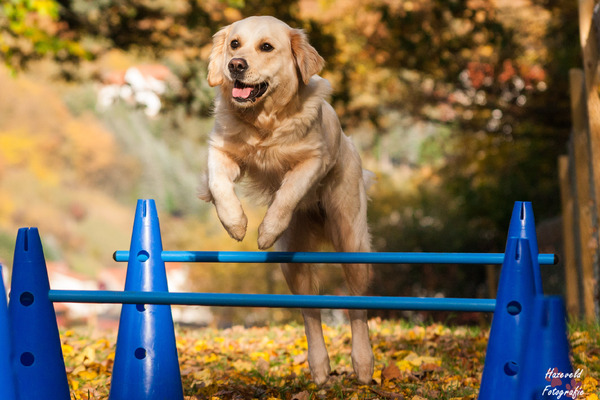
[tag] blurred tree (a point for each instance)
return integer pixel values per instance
(466, 100)
(30, 30)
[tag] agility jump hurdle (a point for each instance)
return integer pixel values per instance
(528, 333)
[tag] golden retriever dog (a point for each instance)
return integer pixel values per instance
(274, 128)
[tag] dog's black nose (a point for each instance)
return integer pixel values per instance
(237, 66)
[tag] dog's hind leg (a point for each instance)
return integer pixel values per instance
(301, 279)
(362, 354)
(348, 229)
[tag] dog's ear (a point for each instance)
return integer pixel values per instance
(217, 57)
(308, 61)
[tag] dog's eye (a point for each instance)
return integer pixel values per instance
(266, 47)
(234, 44)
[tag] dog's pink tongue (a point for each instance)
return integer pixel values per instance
(244, 93)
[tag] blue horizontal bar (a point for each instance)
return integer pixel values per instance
(274, 300)
(333, 257)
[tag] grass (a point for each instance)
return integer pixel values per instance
(414, 362)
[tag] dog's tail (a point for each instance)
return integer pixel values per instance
(203, 191)
(369, 178)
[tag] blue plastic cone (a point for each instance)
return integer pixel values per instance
(547, 352)
(37, 357)
(510, 325)
(7, 382)
(146, 364)
(522, 225)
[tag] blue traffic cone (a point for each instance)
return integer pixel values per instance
(37, 357)
(522, 225)
(547, 368)
(146, 365)
(7, 381)
(510, 325)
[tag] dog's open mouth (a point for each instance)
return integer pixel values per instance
(242, 92)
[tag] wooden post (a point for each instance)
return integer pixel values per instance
(585, 206)
(589, 124)
(568, 224)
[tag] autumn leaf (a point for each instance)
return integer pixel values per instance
(303, 395)
(414, 362)
(391, 372)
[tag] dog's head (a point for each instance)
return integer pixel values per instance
(259, 57)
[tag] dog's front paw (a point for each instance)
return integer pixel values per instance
(266, 238)
(237, 230)
(272, 227)
(233, 219)
(269, 232)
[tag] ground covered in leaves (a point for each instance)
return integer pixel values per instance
(413, 362)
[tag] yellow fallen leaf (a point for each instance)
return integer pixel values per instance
(74, 384)
(417, 361)
(260, 354)
(200, 345)
(87, 375)
(416, 333)
(438, 329)
(203, 376)
(242, 366)
(400, 354)
(404, 365)
(212, 357)
(590, 385)
(67, 350)
(590, 381)
(377, 376)
(412, 358)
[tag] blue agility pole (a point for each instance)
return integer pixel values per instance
(274, 300)
(334, 258)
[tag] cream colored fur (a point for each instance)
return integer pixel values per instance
(289, 147)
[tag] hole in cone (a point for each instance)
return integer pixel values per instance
(140, 353)
(511, 368)
(27, 359)
(514, 308)
(26, 299)
(143, 256)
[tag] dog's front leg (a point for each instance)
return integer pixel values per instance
(223, 171)
(294, 187)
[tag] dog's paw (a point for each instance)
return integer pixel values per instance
(237, 230)
(320, 378)
(363, 364)
(272, 227)
(266, 238)
(319, 369)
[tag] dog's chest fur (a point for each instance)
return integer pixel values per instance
(265, 162)
(267, 147)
